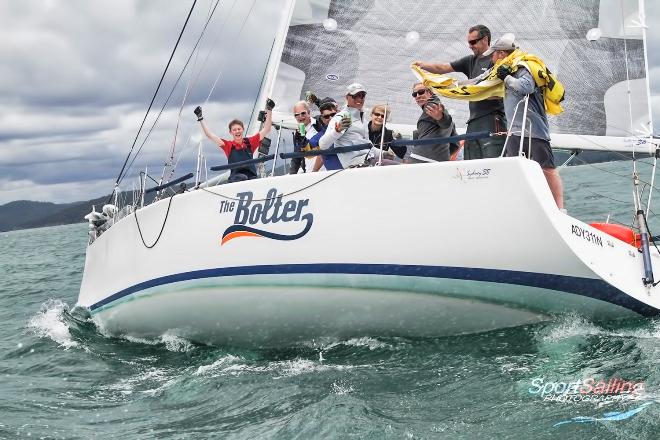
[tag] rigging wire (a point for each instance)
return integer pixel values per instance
(119, 177)
(208, 97)
(171, 92)
(208, 55)
(192, 81)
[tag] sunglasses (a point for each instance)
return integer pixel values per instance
(380, 115)
(417, 93)
(473, 42)
(359, 95)
(300, 114)
(328, 116)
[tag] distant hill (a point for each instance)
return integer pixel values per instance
(24, 214)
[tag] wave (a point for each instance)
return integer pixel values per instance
(51, 323)
(570, 326)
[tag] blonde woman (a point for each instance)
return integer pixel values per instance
(380, 114)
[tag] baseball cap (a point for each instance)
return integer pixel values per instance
(505, 42)
(355, 88)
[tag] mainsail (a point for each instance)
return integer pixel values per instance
(332, 43)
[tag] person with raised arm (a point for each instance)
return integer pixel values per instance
(434, 123)
(486, 115)
(240, 148)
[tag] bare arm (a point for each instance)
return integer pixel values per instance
(268, 124)
(434, 67)
(209, 134)
(318, 163)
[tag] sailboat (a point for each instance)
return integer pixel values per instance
(295, 257)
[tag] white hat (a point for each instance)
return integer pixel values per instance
(355, 88)
(505, 42)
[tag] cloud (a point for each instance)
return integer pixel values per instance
(77, 77)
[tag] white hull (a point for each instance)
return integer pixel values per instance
(423, 250)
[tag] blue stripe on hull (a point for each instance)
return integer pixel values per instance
(596, 289)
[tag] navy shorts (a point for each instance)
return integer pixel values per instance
(541, 151)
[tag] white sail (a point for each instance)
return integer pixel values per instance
(272, 66)
(330, 44)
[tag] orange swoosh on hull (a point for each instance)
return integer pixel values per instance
(238, 234)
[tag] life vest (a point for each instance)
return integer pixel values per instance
(241, 154)
(552, 89)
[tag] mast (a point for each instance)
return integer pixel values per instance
(268, 81)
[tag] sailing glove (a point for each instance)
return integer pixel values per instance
(270, 104)
(503, 71)
(344, 123)
(198, 113)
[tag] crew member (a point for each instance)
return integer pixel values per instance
(486, 115)
(349, 128)
(517, 85)
(434, 122)
(240, 148)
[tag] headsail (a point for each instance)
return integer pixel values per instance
(330, 44)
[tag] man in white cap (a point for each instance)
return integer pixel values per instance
(349, 127)
(486, 115)
(517, 85)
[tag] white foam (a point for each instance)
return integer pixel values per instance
(569, 327)
(370, 343)
(572, 326)
(172, 342)
(235, 366)
(218, 365)
(299, 366)
(157, 378)
(326, 344)
(49, 323)
(176, 343)
(339, 388)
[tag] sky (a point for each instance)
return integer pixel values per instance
(77, 77)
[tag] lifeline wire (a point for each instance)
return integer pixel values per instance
(281, 195)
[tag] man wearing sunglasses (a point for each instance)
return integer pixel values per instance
(349, 127)
(301, 136)
(486, 115)
(328, 108)
(434, 123)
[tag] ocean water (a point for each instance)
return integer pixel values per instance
(61, 378)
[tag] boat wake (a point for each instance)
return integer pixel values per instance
(53, 322)
(571, 326)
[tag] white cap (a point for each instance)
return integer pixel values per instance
(355, 88)
(505, 42)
